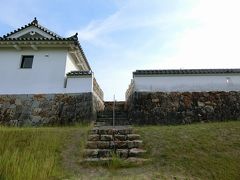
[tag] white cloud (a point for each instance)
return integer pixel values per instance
(132, 14)
(214, 43)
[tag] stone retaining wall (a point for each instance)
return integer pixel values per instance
(48, 109)
(182, 108)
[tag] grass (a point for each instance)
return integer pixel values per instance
(198, 151)
(114, 164)
(32, 153)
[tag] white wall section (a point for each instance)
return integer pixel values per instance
(47, 74)
(79, 84)
(184, 83)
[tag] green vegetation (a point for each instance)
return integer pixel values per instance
(204, 151)
(33, 153)
(198, 151)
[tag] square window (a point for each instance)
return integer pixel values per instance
(26, 62)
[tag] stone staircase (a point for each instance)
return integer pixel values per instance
(106, 142)
(105, 118)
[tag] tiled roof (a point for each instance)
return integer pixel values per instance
(186, 71)
(56, 37)
(38, 39)
(33, 23)
(79, 73)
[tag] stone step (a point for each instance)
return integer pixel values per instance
(128, 144)
(110, 112)
(110, 123)
(98, 153)
(100, 145)
(122, 130)
(111, 115)
(109, 144)
(131, 160)
(106, 142)
(97, 160)
(132, 137)
(122, 153)
(106, 137)
(98, 124)
(116, 137)
(111, 119)
(136, 152)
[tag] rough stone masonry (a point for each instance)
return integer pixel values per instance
(182, 108)
(49, 109)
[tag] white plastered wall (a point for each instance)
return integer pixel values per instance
(45, 76)
(79, 84)
(187, 83)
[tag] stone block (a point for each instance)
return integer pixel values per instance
(209, 109)
(94, 131)
(134, 144)
(122, 153)
(121, 144)
(106, 137)
(103, 144)
(37, 110)
(111, 144)
(110, 131)
(200, 104)
(96, 160)
(12, 106)
(155, 100)
(130, 144)
(132, 137)
(36, 119)
(119, 137)
(93, 153)
(14, 123)
(135, 152)
(104, 131)
(102, 153)
(93, 137)
(124, 131)
(92, 144)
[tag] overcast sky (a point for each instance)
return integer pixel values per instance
(120, 36)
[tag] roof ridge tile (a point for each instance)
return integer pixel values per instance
(186, 71)
(35, 24)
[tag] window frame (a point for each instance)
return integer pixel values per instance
(23, 59)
